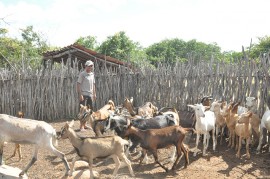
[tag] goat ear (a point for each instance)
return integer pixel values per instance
(249, 114)
(81, 105)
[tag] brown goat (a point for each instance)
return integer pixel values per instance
(153, 139)
(86, 114)
(20, 114)
(243, 131)
(103, 113)
(230, 115)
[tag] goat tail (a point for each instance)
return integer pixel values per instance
(190, 130)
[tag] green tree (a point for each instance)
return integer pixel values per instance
(118, 46)
(262, 47)
(89, 42)
(27, 52)
(10, 49)
(170, 51)
(161, 52)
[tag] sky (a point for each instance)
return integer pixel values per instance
(229, 23)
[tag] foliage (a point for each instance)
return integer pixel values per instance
(262, 47)
(170, 51)
(89, 42)
(118, 46)
(10, 49)
(27, 51)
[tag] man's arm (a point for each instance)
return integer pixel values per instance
(79, 91)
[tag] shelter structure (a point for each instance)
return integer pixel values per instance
(77, 55)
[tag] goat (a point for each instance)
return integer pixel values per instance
(250, 105)
(117, 123)
(153, 139)
(171, 111)
(243, 130)
(265, 124)
(147, 110)
(230, 114)
(216, 107)
(255, 122)
(104, 112)
(17, 146)
(86, 114)
(206, 102)
(90, 148)
(27, 131)
(205, 122)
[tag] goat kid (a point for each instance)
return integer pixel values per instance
(27, 131)
(205, 122)
(153, 139)
(243, 131)
(90, 148)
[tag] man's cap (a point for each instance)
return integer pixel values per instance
(89, 63)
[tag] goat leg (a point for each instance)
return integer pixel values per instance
(76, 158)
(117, 164)
(247, 147)
(179, 154)
(197, 143)
(1, 153)
(156, 159)
(33, 160)
(260, 142)
(239, 147)
(60, 155)
(214, 140)
(127, 162)
(142, 156)
(18, 147)
(90, 163)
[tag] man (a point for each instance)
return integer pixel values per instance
(86, 88)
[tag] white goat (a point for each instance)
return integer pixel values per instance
(205, 122)
(90, 148)
(28, 131)
(265, 123)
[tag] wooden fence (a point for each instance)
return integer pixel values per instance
(50, 94)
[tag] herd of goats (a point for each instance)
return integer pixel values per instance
(145, 127)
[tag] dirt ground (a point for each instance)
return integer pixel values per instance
(219, 164)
